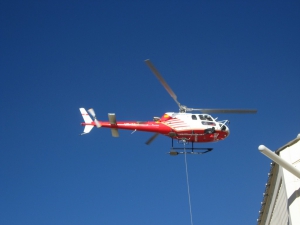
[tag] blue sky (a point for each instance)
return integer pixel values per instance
(58, 56)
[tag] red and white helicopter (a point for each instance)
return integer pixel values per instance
(182, 126)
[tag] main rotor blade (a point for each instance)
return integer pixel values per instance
(239, 111)
(162, 81)
(152, 139)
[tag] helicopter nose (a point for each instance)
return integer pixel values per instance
(224, 127)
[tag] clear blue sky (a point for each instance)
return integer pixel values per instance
(57, 56)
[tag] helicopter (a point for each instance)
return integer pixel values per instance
(185, 126)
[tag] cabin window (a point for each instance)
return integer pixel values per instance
(209, 118)
(205, 117)
(194, 117)
(208, 123)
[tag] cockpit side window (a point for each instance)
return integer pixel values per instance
(194, 117)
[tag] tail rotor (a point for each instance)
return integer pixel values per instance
(93, 114)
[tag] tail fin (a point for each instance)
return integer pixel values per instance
(87, 119)
(85, 115)
(87, 129)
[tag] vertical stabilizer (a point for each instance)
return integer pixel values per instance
(87, 119)
(85, 115)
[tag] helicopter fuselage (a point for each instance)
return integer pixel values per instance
(181, 126)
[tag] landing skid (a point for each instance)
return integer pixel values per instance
(191, 151)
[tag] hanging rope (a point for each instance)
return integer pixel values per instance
(188, 186)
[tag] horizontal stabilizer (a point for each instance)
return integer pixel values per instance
(112, 118)
(113, 121)
(114, 132)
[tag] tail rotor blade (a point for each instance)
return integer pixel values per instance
(152, 138)
(97, 123)
(92, 112)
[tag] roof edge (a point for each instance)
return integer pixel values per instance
(288, 144)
